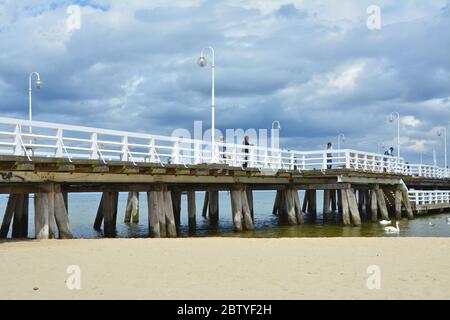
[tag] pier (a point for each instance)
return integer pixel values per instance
(52, 160)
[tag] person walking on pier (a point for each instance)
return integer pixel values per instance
(222, 149)
(329, 155)
(390, 153)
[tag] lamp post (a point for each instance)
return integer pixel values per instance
(341, 136)
(444, 133)
(202, 63)
(275, 134)
(38, 85)
(391, 119)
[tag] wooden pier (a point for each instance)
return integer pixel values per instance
(50, 161)
(353, 194)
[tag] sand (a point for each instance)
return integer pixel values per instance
(227, 268)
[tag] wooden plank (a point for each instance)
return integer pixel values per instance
(9, 212)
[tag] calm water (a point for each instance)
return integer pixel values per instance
(83, 208)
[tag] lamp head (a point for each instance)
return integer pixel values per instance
(391, 117)
(39, 84)
(276, 125)
(202, 61)
(439, 133)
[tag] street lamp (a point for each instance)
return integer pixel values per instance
(444, 133)
(38, 85)
(202, 62)
(391, 119)
(340, 136)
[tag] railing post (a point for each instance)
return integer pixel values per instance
(124, 155)
(94, 147)
(303, 162)
(18, 150)
(324, 160)
(59, 144)
(347, 159)
(292, 161)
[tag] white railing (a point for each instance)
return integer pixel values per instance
(76, 142)
(427, 171)
(429, 197)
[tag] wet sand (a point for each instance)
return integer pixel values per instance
(227, 268)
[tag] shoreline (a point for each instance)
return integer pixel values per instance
(226, 268)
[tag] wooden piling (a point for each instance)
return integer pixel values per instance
(99, 217)
(236, 209)
(298, 208)
(176, 204)
(306, 202)
(62, 217)
(9, 212)
(326, 202)
(345, 208)
(250, 202)
(41, 219)
(277, 203)
(153, 214)
(398, 204)
(246, 212)
(108, 202)
(53, 229)
(289, 204)
(214, 207)
(161, 212)
(205, 205)
(171, 229)
(382, 204)
(20, 223)
(191, 210)
(312, 202)
(339, 203)
(132, 208)
(374, 205)
(353, 205)
(333, 200)
(406, 202)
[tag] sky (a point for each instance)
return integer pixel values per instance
(314, 66)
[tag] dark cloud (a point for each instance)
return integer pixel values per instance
(133, 67)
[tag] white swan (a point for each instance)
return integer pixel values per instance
(393, 229)
(385, 222)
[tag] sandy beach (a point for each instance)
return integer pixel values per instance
(227, 268)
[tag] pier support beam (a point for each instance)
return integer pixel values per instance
(9, 212)
(333, 200)
(171, 230)
(382, 204)
(345, 208)
(250, 202)
(406, 202)
(374, 205)
(205, 205)
(398, 204)
(154, 208)
(248, 221)
(277, 203)
(240, 208)
(298, 207)
(20, 224)
(214, 207)
(132, 209)
(176, 204)
(353, 205)
(191, 210)
(326, 202)
(312, 202)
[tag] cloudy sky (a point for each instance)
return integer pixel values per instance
(313, 65)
